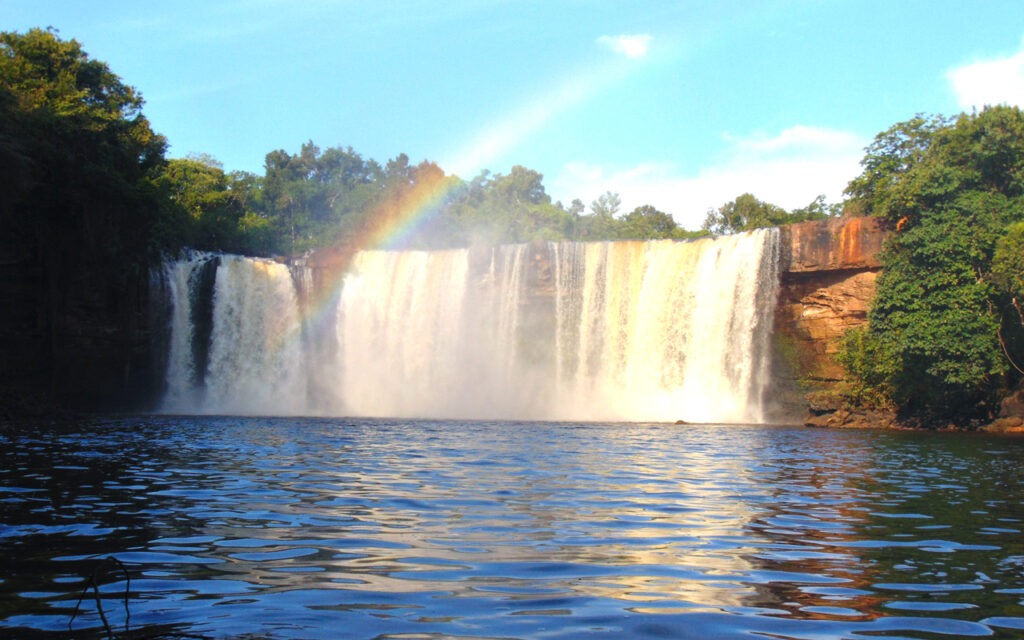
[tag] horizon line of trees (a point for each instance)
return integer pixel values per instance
(318, 198)
(53, 93)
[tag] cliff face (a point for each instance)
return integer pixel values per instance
(827, 281)
(96, 345)
(74, 338)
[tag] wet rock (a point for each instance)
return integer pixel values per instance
(853, 419)
(823, 402)
(828, 271)
(1013, 424)
(1012, 405)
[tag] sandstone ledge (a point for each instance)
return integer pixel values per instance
(835, 244)
(846, 418)
(854, 419)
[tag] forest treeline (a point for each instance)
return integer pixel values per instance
(81, 155)
(944, 341)
(88, 186)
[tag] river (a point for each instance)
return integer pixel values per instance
(349, 528)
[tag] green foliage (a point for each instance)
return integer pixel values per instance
(1008, 277)
(891, 155)
(818, 209)
(869, 364)
(1008, 262)
(953, 194)
(74, 142)
(646, 222)
(82, 213)
(83, 158)
(747, 213)
(504, 208)
(600, 223)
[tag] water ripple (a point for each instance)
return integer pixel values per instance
(308, 528)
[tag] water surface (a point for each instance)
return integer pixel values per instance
(335, 528)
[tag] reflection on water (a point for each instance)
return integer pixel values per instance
(297, 528)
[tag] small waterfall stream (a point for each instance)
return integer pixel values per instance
(656, 330)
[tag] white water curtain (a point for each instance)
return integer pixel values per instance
(655, 330)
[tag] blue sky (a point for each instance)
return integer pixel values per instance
(683, 105)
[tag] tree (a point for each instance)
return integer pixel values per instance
(891, 155)
(647, 223)
(1008, 276)
(951, 193)
(497, 208)
(88, 155)
(745, 213)
(1008, 264)
(606, 205)
(818, 209)
(219, 211)
(82, 200)
(601, 224)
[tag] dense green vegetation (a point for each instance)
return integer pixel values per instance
(83, 163)
(79, 158)
(944, 339)
(746, 213)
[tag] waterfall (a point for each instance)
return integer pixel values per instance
(652, 330)
(656, 330)
(399, 328)
(254, 363)
(189, 285)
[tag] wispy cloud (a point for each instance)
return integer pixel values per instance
(789, 169)
(989, 82)
(513, 127)
(516, 125)
(797, 140)
(632, 46)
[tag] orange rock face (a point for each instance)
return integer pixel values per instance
(837, 244)
(828, 272)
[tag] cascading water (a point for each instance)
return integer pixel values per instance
(661, 330)
(656, 330)
(185, 362)
(254, 362)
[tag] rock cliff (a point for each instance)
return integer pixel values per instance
(827, 281)
(74, 337)
(95, 345)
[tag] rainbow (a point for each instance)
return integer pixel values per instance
(400, 215)
(389, 225)
(396, 219)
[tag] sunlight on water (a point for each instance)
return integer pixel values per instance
(287, 528)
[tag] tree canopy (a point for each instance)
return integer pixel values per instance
(944, 332)
(83, 157)
(82, 215)
(747, 213)
(80, 154)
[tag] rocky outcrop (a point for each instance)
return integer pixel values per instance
(1011, 413)
(836, 244)
(828, 270)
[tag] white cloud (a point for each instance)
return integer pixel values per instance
(789, 169)
(632, 46)
(989, 82)
(797, 140)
